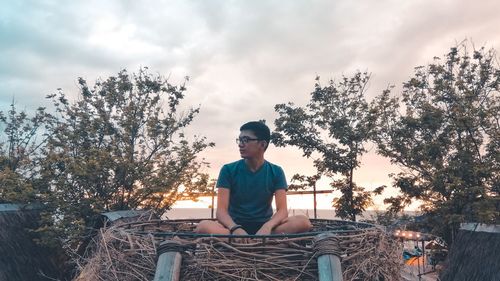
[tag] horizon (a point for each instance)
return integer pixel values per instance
(293, 201)
(204, 213)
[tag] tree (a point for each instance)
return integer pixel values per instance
(335, 124)
(120, 146)
(19, 154)
(445, 136)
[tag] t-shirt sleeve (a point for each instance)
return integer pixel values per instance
(280, 181)
(223, 180)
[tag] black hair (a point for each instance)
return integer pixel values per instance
(259, 128)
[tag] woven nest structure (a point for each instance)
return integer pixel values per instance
(129, 252)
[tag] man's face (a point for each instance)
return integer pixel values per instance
(249, 145)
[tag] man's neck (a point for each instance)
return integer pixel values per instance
(254, 164)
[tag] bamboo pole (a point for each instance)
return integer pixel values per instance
(168, 267)
(329, 267)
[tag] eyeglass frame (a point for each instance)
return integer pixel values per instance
(245, 140)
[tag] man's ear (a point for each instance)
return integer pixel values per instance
(265, 144)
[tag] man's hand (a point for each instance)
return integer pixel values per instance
(240, 231)
(264, 230)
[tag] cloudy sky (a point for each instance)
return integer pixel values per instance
(242, 57)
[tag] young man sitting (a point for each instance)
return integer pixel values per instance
(246, 189)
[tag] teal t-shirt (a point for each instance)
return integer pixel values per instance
(251, 193)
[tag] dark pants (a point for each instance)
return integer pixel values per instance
(251, 227)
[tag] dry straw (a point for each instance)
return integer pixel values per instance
(128, 252)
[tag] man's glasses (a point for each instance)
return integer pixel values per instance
(245, 140)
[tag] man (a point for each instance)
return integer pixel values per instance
(246, 189)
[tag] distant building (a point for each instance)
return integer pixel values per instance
(21, 258)
(475, 254)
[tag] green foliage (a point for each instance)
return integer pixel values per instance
(391, 219)
(20, 152)
(120, 146)
(446, 137)
(335, 125)
(302, 182)
(14, 188)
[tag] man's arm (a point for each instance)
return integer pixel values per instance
(222, 213)
(279, 216)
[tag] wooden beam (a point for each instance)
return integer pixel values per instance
(308, 192)
(210, 194)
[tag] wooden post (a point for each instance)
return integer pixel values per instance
(314, 193)
(168, 267)
(329, 267)
(212, 206)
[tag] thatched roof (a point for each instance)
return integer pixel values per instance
(474, 255)
(20, 258)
